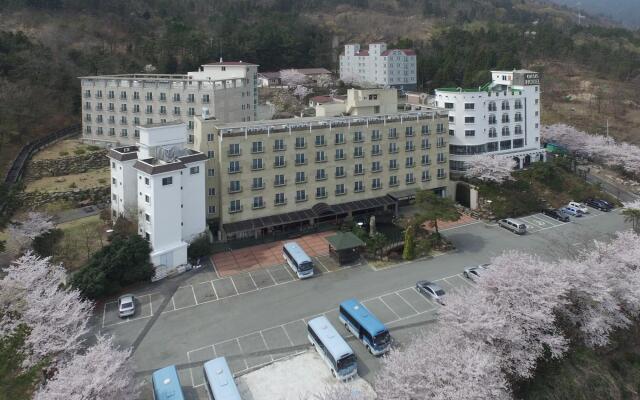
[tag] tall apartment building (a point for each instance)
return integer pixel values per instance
(276, 175)
(502, 117)
(113, 106)
(379, 66)
(161, 184)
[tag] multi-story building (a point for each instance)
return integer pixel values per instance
(113, 106)
(502, 117)
(357, 102)
(161, 184)
(277, 175)
(379, 66)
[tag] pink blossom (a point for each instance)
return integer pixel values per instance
(488, 167)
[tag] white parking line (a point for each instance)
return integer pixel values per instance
(271, 276)
(252, 280)
(287, 335)
(542, 221)
(234, 286)
(215, 292)
(322, 265)
(194, 295)
(459, 226)
(266, 346)
(386, 305)
(403, 299)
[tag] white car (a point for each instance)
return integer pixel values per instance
(579, 206)
(431, 290)
(126, 305)
(472, 273)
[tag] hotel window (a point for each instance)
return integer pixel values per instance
(163, 110)
(409, 146)
(211, 172)
(191, 98)
(375, 150)
(448, 106)
(301, 195)
(517, 130)
(321, 175)
(234, 206)
(340, 172)
(441, 173)
(205, 98)
(136, 108)
(518, 104)
(320, 156)
(425, 130)
(257, 184)
(258, 202)
(278, 145)
(111, 94)
(149, 109)
(357, 137)
(112, 131)
(375, 135)
(212, 209)
(424, 144)
(469, 120)
(518, 143)
(358, 187)
(234, 149)
(393, 133)
(518, 117)
(300, 143)
(339, 138)
(163, 97)
(279, 162)
(440, 158)
(440, 128)
(234, 166)
(192, 111)
(136, 95)
(393, 164)
(358, 169)
(147, 199)
(409, 179)
(358, 152)
(321, 193)
(340, 154)
(393, 147)
(320, 140)
(124, 132)
(212, 191)
(280, 199)
(210, 153)
(167, 181)
(301, 177)
(505, 145)
(393, 180)
(300, 159)
(409, 162)
(493, 132)
(194, 170)
(505, 105)
(176, 97)
(149, 96)
(408, 131)
(279, 180)
(340, 190)
(257, 147)
(492, 106)
(234, 186)
(492, 146)
(505, 131)
(426, 176)
(375, 183)
(469, 132)
(376, 167)
(123, 107)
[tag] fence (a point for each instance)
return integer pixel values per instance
(16, 170)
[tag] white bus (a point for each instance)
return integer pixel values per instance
(219, 380)
(332, 348)
(298, 260)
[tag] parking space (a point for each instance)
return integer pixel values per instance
(144, 309)
(277, 342)
(540, 222)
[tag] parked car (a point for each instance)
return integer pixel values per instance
(599, 204)
(571, 211)
(126, 305)
(514, 225)
(472, 273)
(584, 209)
(556, 214)
(431, 290)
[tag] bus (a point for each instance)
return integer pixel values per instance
(298, 260)
(332, 348)
(166, 385)
(219, 380)
(365, 326)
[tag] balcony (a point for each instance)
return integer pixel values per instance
(279, 148)
(358, 139)
(281, 183)
(234, 153)
(426, 178)
(280, 164)
(442, 160)
(258, 187)
(257, 167)
(340, 192)
(410, 181)
(358, 155)
(427, 147)
(257, 150)
(301, 162)
(393, 167)
(376, 138)
(321, 195)
(442, 176)
(280, 202)
(321, 144)
(410, 165)
(341, 175)
(321, 159)
(376, 153)
(237, 189)
(441, 144)
(301, 181)
(393, 184)
(341, 157)
(393, 150)
(375, 170)
(358, 190)
(409, 148)
(301, 146)
(376, 187)
(257, 206)
(234, 170)
(302, 199)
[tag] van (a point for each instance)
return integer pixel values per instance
(572, 211)
(513, 225)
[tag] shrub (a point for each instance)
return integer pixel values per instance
(409, 252)
(123, 262)
(79, 151)
(73, 185)
(93, 148)
(64, 153)
(199, 248)
(45, 244)
(102, 181)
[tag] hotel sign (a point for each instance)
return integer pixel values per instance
(531, 78)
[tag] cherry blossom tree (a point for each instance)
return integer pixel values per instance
(292, 77)
(341, 391)
(31, 294)
(512, 311)
(103, 372)
(34, 225)
(491, 168)
(441, 364)
(603, 288)
(631, 212)
(599, 148)
(302, 91)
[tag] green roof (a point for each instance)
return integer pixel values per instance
(344, 241)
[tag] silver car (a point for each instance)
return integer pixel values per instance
(431, 290)
(472, 273)
(126, 305)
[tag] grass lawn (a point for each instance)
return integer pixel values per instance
(86, 180)
(81, 239)
(71, 147)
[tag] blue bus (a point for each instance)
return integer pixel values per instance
(219, 380)
(298, 260)
(365, 326)
(166, 385)
(332, 348)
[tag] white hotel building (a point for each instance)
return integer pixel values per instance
(113, 106)
(379, 66)
(161, 184)
(502, 117)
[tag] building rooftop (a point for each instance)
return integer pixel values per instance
(231, 63)
(313, 71)
(163, 124)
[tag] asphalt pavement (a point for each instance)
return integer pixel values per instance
(257, 326)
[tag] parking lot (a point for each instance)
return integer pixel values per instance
(262, 347)
(207, 291)
(540, 222)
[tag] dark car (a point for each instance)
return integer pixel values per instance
(599, 204)
(556, 214)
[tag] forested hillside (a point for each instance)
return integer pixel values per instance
(46, 44)
(625, 11)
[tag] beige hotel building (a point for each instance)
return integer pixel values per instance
(268, 176)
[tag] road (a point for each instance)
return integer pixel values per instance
(260, 322)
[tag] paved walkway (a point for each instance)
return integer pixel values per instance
(267, 255)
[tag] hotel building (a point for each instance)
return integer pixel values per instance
(379, 66)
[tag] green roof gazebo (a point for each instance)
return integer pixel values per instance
(344, 247)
